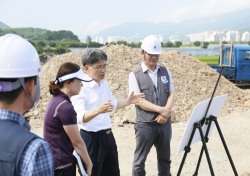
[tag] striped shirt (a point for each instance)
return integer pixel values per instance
(36, 158)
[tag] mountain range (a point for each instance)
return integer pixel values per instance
(237, 20)
(3, 26)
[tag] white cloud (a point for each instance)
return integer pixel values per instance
(182, 13)
(216, 7)
(197, 9)
(80, 18)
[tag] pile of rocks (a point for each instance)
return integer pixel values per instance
(194, 81)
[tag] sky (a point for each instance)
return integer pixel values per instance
(88, 17)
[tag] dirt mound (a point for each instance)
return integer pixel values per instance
(194, 81)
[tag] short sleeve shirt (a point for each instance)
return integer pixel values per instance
(59, 113)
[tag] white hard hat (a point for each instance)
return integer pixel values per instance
(151, 44)
(18, 57)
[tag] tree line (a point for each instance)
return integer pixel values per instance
(46, 41)
(59, 42)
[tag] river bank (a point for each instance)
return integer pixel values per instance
(191, 51)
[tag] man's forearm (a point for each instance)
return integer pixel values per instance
(90, 115)
(148, 106)
(170, 101)
(122, 103)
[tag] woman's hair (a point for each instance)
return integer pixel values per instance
(92, 56)
(65, 69)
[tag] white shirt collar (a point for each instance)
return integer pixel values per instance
(145, 68)
(93, 83)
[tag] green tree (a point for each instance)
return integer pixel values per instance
(197, 43)
(94, 44)
(122, 42)
(41, 43)
(52, 44)
(168, 44)
(134, 45)
(205, 44)
(177, 43)
(112, 43)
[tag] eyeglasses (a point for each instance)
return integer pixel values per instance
(100, 67)
(153, 55)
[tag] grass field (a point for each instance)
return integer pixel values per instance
(208, 59)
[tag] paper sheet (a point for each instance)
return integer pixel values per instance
(80, 164)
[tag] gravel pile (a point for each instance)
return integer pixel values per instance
(194, 82)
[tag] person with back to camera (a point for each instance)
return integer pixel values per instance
(22, 153)
(60, 123)
(153, 115)
(93, 105)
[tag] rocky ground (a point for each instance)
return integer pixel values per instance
(194, 82)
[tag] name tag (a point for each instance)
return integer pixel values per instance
(164, 79)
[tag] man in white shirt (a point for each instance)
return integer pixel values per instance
(153, 115)
(93, 105)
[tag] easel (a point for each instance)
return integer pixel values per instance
(198, 125)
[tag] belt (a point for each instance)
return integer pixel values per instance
(107, 131)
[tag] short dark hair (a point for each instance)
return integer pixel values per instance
(92, 56)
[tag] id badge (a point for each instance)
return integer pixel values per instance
(164, 79)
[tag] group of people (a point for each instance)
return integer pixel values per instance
(80, 100)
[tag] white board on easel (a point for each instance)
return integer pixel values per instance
(197, 115)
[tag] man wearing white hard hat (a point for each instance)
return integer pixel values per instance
(21, 152)
(153, 115)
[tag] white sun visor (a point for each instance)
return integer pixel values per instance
(77, 75)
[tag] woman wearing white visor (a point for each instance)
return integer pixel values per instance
(60, 122)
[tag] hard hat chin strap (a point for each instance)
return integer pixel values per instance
(37, 97)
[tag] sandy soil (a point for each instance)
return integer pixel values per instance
(235, 129)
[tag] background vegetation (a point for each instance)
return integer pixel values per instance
(208, 59)
(59, 42)
(46, 41)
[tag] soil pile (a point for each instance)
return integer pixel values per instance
(194, 81)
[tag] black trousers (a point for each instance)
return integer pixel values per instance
(69, 171)
(102, 150)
